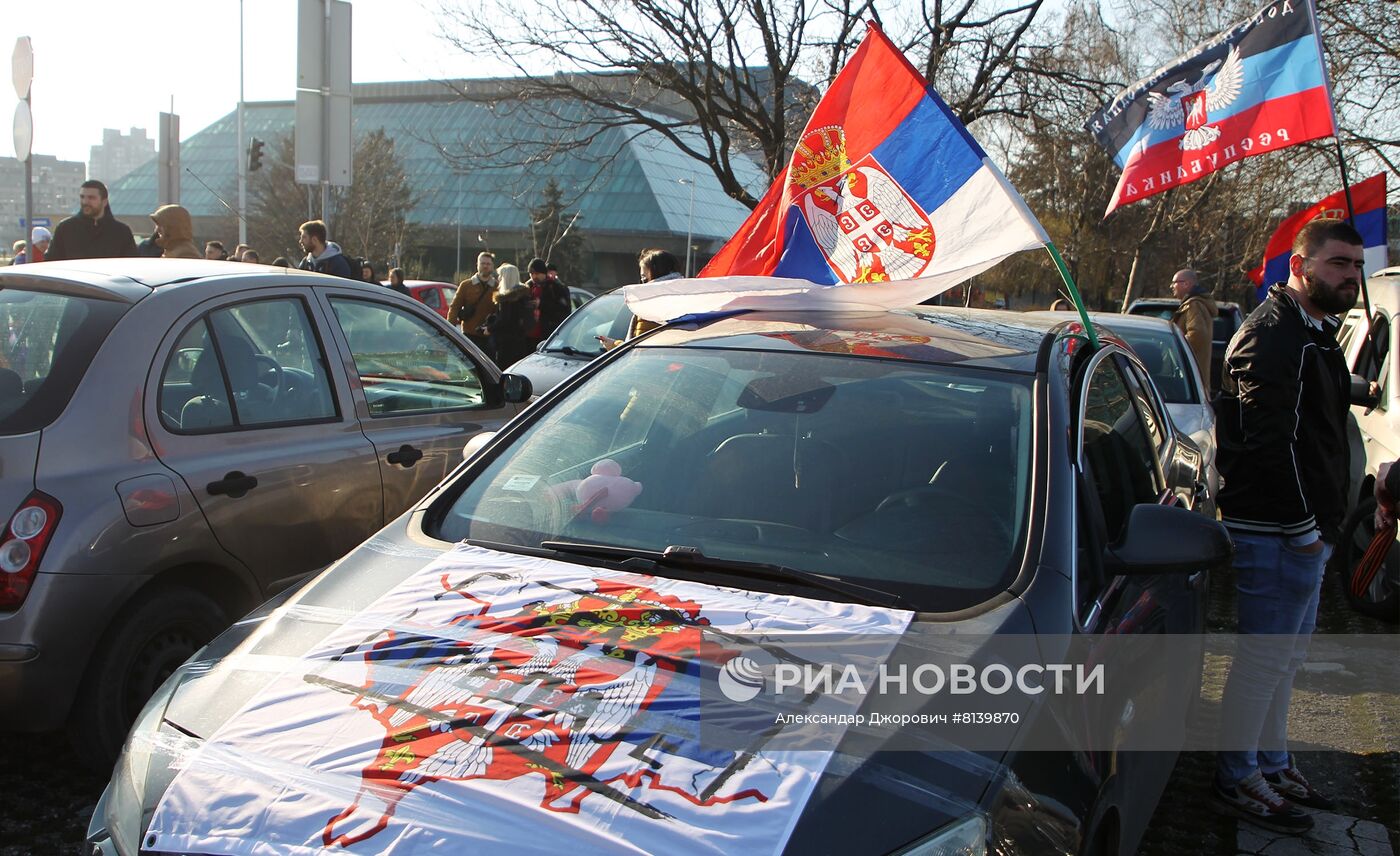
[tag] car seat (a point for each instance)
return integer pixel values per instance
(770, 477)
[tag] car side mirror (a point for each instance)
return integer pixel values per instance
(1360, 392)
(516, 389)
(476, 444)
(1165, 539)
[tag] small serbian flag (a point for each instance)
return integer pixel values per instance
(1368, 200)
(1258, 87)
(887, 201)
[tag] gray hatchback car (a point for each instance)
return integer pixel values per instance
(180, 440)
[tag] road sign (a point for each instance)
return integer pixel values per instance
(24, 130)
(22, 66)
(46, 222)
(324, 146)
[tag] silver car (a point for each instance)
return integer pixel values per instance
(180, 440)
(1176, 376)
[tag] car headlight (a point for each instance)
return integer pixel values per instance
(965, 837)
(143, 768)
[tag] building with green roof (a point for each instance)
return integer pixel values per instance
(631, 188)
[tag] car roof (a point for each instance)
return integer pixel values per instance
(1172, 301)
(992, 338)
(131, 279)
(1117, 320)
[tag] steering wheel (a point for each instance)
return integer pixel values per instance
(735, 528)
(948, 497)
(276, 386)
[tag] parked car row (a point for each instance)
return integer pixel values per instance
(180, 440)
(907, 465)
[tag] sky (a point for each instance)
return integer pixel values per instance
(118, 63)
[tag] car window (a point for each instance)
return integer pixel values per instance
(603, 316)
(1374, 349)
(1117, 450)
(47, 342)
(1165, 358)
(405, 364)
(261, 365)
(193, 396)
(909, 478)
(1153, 310)
(1156, 422)
(431, 297)
(1224, 326)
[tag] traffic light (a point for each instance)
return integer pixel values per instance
(255, 149)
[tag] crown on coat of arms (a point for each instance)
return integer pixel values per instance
(820, 157)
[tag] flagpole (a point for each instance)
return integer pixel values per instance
(1337, 140)
(1074, 294)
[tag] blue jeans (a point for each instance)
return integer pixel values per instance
(1278, 588)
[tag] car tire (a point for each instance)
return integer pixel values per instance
(1382, 600)
(153, 636)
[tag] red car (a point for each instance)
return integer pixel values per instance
(437, 296)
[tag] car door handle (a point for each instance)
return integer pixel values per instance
(232, 485)
(405, 457)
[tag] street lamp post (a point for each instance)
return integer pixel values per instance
(690, 220)
(242, 155)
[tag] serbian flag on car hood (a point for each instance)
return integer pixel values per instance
(887, 201)
(1257, 87)
(1368, 199)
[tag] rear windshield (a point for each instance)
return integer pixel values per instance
(909, 478)
(46, 343)
(1165, 359)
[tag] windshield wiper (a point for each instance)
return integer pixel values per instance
(570, 351)
(691, 557)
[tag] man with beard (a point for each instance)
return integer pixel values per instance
(92, 233)
(1283, 455)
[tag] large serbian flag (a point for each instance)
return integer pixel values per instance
(1257, 87)
(1368, 201)
(887, 201)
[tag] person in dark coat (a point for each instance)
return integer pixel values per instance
(513, 319)
(1284, 456)
(323, 256)
(396, 282)
(553, 297)
(92, 233)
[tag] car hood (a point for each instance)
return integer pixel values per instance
(463, 697)
(547, 371)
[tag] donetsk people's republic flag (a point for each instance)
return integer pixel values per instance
(1259, 86)
(1368, 200)
(887, 201)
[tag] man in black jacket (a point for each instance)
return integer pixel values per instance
(92, 233)
(322, 255)
(1281, 425)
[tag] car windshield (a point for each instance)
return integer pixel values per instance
(1165, 359)
(904, 477)
(602, 316)
(46, 343)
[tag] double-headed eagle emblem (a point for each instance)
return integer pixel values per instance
(1190, 104)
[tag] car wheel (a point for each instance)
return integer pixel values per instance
(1381, 599)
(154, 635)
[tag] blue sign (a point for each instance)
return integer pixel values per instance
(46, 222)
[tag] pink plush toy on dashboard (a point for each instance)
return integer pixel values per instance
(604, 491)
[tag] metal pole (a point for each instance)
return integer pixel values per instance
(326, 118)
(242, 155)
(690, 222)
(458, 208)
(29, 186)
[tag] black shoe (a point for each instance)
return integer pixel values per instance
(1291, 785)
(1255, 800)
